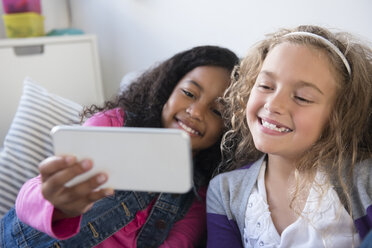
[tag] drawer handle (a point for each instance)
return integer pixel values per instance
(28, 50)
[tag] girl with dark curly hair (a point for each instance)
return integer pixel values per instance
(181, 93)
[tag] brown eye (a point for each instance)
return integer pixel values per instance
(187, 93)
(216, 112)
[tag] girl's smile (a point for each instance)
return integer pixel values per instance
(192, 105)
(188, 128)
(291, 100)
(273, 127)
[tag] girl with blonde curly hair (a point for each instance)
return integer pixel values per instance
(297, 155)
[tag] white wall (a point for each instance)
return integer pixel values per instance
(134, 34)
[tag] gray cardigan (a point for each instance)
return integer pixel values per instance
(228, 195)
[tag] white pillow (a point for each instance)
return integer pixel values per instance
(28, 142)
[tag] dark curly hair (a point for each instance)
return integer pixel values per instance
(143, 100)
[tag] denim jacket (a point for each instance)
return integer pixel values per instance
(107, 216)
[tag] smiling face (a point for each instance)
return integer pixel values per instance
(192, 105)
(291, 100)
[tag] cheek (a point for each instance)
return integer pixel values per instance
(312, 124)
(165, 114)
(251, 109)
(324, 122)
(216, 128)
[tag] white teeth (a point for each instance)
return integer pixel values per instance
(274, 127)
(188, 129)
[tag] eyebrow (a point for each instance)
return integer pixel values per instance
(195, 83)
(306, 84)
(302, 83)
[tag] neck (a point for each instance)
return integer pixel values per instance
(279, 167)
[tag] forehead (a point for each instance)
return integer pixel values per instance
(208, 78)
(300, 63)
(297, 52)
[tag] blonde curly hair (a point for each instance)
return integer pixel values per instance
(346, 138)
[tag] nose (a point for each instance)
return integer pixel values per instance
(276, 103)
(196, 111)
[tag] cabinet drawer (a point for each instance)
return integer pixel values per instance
(66, 66)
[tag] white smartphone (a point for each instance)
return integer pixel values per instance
(135, 159)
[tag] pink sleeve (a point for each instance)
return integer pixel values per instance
(189, 231)
(111, 118)
(35, 211)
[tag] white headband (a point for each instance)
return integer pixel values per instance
(327, 42)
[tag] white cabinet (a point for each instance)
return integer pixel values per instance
(65, 65)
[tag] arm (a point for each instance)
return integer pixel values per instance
(362, 197)
(222, 231)
(189, 231)
(35, 211)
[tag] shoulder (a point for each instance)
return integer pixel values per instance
(236, 184)
(364, 167)
(361, 196)
(110, 118)
(362, 175)
(228, 192)
(233, 179)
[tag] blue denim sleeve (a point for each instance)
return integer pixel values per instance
(14, 233)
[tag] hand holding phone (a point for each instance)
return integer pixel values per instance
(70, 201)
(138, 159)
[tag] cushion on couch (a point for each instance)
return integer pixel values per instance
(28, 142)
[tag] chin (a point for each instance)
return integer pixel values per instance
(262, 147)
